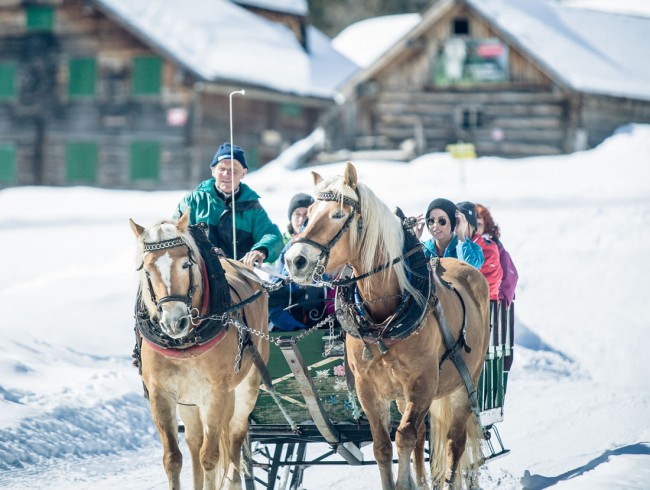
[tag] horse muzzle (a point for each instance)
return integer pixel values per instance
(301, 259)
(175, 321)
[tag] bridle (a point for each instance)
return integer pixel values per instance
(323, 258)
(166, 244)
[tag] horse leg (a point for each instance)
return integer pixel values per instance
(215, 451)
(163, 411)
(194, 437)
(409, 432)
(457, 441)
(418, 458)
(378, 412)
(245, 398)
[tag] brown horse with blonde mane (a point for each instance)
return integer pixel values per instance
(348, 224)
(204, 378)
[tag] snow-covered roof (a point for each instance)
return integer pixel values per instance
(220, 41)
(582, 49)
(589, 51)
(365, 41)
(295, 7)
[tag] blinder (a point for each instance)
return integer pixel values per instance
(167, 244)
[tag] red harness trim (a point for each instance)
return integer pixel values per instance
(190, 352)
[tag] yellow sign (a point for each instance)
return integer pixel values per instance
(462, 150)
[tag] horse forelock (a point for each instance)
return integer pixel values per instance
(164, 230)
(381, 238)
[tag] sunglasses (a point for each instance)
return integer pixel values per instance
(432, 221)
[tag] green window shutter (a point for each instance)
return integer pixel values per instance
(290, 110)
(7, 163)
(145, 160)
(7, 80)
(147, 75)
(82, 77)
(81, 161)
(40, 18)
(252, 158)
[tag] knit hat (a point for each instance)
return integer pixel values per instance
(447, 206)
(469, 210)
(224, 153)
(300, 200)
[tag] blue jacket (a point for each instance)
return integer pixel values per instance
(467, 251)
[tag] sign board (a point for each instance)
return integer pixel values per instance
(462, 150)
(472, 61)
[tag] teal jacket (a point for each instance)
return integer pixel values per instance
(255, 230)
(467, 251)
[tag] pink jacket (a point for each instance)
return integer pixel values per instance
(491, 268)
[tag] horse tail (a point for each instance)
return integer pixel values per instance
(225, 459)
(440, 421)
(441, 415)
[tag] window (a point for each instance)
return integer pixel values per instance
(7, 80)
(81, 82)
(147, 71)
(471, 118)
(460, 26)
(145, 160)
(40, 18)
(81, 161)
(7, 163)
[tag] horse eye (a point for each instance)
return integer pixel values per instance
(186, 265)
(337, 215)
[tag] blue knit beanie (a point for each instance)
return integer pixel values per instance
(224, 153)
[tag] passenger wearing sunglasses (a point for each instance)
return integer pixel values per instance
(451, 233)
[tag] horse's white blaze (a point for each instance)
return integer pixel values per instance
(164, 264)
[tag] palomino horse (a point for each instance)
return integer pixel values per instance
(349, 225)
(213, 398)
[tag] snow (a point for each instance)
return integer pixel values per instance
(223, 42)
(365, 41)
(296, 7)
(627, 7)
(72, 415)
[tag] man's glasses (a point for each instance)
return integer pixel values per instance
(432, 221)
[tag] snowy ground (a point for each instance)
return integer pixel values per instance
(72, 414)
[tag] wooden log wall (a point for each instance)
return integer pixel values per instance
(530, 122)
(601, 115)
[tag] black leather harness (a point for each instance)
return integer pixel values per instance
(213, 323)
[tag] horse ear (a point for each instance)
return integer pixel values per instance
(350, 175)
(137, 229)
(184, 221)
(317, 178)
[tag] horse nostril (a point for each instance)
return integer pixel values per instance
(183, 324)
(300, 262)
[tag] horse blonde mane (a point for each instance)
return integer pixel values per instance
(382, 237)
(164, 230)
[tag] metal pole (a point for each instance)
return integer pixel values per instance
(232, 178)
